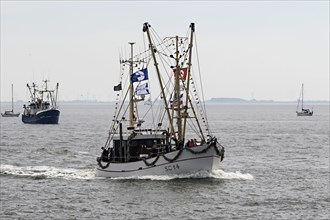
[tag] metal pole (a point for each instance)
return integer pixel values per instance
(131, 93)
(146, 29)
(177, 97)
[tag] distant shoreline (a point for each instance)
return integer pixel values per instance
(210, 101)
(254, 101)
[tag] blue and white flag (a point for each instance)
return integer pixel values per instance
(142, 89)
(140, 75)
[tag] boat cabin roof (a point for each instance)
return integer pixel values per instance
(143, 135)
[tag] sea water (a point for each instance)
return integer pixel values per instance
(276, 166)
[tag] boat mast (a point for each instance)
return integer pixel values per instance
(152, 49)
(46, 90)
(177, 96)
(32, 95)
(302, 96)
(192, 26)
(131, 91)
(55, 104)
(12, 99)
(34, 91)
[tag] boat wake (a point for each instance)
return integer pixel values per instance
(216, 174)
(47, 172)
(220, 174)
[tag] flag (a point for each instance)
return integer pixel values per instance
(117, 87)
(142, 89)
(183, 73)
(140, 75)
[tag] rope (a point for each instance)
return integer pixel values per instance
(100, 164)
(200, 77)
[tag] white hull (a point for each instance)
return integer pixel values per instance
(186, 163)
(179, 121)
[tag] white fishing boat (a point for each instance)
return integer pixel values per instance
(169, 135)
(11, 113)
(303, 111)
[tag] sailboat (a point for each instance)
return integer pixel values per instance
(42, 108)
(303, 111)
(170, 135)
(11, 112)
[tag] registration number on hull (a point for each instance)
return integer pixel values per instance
(172, 167)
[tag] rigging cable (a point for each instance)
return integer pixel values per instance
(199, 71)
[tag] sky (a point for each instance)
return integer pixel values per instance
(247, 49)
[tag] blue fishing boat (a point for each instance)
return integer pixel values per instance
(42, 109)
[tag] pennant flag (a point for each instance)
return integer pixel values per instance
(183, 73)
(117, 87)
(142, 89)
(140, 75)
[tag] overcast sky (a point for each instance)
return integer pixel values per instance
(257, 49)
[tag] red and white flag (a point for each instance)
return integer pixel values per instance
(183, 73)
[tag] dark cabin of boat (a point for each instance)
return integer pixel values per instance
(139, 145)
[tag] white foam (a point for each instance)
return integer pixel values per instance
(217, 174)
(71, 173)
(48, 172)
(220, 174)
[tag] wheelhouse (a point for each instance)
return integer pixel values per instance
(139, 145)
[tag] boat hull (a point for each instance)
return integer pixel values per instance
(304, 113)
(50, 116)
(10, 115)
(188, 162)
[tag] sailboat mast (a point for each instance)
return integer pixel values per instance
(12, 98)
(146, 29)
(131, 92)
(302, 97)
